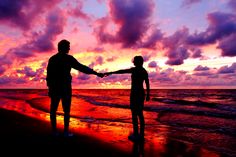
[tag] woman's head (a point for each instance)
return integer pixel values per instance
(138, 61)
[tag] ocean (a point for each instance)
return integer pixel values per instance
(198, 117)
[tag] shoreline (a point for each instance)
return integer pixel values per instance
(102, 130)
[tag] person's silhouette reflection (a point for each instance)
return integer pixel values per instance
(137, 95)
(176, 148)
(138, 149)
(59, 83)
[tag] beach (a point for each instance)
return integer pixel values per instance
(19, 132)
(101, 125)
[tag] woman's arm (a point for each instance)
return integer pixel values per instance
(122, 71)
(147, 88)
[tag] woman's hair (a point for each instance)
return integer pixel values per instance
(138, 61)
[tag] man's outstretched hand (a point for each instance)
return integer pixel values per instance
(104, 74)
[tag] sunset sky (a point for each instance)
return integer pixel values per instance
(185, 43)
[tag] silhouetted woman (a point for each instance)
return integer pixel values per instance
(137, 95)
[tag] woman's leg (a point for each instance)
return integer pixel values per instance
(135, 122)
(142, 123)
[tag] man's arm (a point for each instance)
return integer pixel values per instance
(49, 74)
(83, 68)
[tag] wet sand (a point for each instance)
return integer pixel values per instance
(21, 135)
(103, 130)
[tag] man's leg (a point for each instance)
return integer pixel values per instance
(53, 109)
(66, 104)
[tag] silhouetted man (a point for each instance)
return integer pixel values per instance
(59, 83)
(137, 95)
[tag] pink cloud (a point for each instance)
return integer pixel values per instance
(78, 12)
(98, 61)
(111, 59)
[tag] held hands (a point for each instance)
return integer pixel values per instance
(103, 74)
(100, 75)
(107, 73)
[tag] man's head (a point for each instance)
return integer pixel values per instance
(63, 46)
(138, 61)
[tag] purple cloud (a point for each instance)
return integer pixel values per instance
(146, 56)
(133, 18)
(22, 13)
(133, 21)
(55, 23)
(228, 46)
(188, 3)
(152, 64)
(96, 49)
(177, 56)
(111, 59)
(23, 51)
(232, 4)
(196, 53)
(100, 31)
(221, 25)
(83, 77)
(12, 12)
(203, 73)
(6, 61)
(98, 61)
(78, 12)
(42, 41)
(27, 71)
(201, 68)
(2, 70)
(152, 40)
(5, 80)
(177, 49)
(227, 69)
